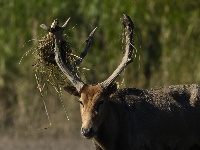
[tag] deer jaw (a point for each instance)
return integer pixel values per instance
(92, 107)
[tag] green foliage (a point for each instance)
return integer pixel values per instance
(167, 41)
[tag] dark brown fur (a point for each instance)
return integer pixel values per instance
(166, 118)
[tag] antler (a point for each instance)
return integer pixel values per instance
(129, 28)
(71, 74)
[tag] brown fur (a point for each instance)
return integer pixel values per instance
(166, 118)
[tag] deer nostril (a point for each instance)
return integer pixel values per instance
(87, 132)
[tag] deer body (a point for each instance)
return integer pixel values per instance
(166, 118)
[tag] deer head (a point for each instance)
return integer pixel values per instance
(93, 98)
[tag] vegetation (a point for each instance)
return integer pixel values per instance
(167, 41)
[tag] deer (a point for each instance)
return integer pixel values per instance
(165, 118)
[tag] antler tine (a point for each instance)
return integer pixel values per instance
(58, 33)
(88, 43)
(129, 28)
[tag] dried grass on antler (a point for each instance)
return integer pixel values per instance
(46, 69)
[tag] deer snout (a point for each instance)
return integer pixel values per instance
(87, 132)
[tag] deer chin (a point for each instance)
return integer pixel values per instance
(88, 137)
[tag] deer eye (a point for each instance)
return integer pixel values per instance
(80, 102)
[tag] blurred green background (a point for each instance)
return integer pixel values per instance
(168, 52)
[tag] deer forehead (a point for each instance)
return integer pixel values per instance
(91, 93)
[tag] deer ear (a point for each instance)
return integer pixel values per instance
(111, 88)
(72, 90)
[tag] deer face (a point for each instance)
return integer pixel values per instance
(93, 104)
(92, 107)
